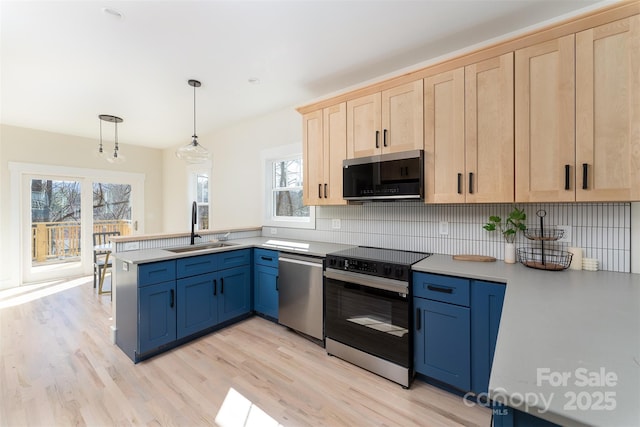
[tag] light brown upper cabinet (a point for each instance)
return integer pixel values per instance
(545, 122)
(469, 133)
(444, 137)
(608, 112)
(324, 149)
(578, 116)
(390, 121)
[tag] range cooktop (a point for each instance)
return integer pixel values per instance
(391, 256)
(387, 263)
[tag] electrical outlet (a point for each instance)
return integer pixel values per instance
(335, 224)
(566, 238)
(274, 230)
(131, 246)
(444, 228)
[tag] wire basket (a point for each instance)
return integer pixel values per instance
(544, 233)
(544, 259)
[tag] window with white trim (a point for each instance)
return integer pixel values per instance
(202, 199)
(284, 190)
(198, 179)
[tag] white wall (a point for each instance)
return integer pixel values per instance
(236, 181)
(34, 146)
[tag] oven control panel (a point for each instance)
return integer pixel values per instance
(374, 268)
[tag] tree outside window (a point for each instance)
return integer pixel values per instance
(287, 189)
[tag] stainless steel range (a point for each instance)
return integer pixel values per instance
(368, 309)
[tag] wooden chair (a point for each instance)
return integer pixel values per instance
(101, 259)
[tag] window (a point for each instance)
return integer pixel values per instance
(284, 190)
(202, 199)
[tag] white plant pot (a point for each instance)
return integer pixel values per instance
(510, 253)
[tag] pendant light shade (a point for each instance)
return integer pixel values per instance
(193, 152)
(116, 157)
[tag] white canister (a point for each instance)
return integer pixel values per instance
(576, 260)
(510, 253)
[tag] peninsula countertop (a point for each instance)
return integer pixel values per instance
(568, 347)
(310, 248)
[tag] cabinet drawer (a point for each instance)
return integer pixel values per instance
(266, 257)
(234, 258)
(156, 272)
(197, 265)
(448, 289)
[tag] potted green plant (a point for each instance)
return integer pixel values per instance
(509, 228)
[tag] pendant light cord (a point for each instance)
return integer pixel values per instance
(194, 110)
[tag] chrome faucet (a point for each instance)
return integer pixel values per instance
(194, 221)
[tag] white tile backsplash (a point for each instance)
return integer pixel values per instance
(603, 230)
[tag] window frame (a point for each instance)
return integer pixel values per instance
(195, 171)
(269, 158)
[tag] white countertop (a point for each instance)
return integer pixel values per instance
(318, 249)
(579, 324)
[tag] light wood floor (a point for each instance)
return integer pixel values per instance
(58, 367)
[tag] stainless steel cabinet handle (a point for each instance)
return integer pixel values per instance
(295, 261)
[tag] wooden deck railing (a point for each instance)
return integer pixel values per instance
(51, 240)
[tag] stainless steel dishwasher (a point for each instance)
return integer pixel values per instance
(300, 294)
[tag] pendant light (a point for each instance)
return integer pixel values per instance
(193, 152)
(117, 157)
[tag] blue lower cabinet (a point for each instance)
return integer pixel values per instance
(504, 416)
(265, 290)
(234, 292)
(157, 314)
(197, 304)
(442, 342)
(486, 308)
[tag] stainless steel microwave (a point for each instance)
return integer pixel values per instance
(394, 176)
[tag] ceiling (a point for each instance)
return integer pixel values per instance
(65, 62)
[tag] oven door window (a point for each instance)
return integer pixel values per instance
(372, 320)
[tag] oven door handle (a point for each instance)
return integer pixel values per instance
(369, 281)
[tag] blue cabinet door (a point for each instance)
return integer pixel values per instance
(486, 308)
(196, 304)
(157, 314)
(234, 293)
(265, 290)
(235, 258)
(156, 272)
(442, 342)
(195, 265)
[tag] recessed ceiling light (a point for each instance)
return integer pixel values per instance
(254, 80)
(112, 12)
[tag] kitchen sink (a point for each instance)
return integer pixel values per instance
(212, 245)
